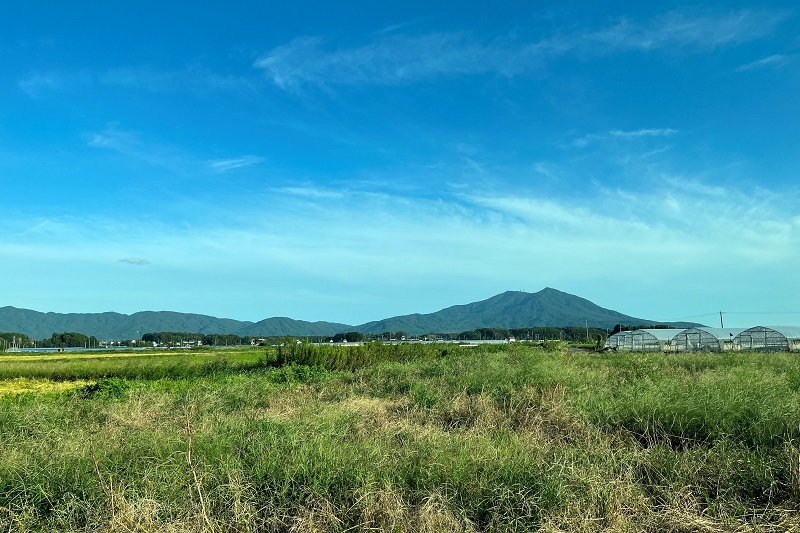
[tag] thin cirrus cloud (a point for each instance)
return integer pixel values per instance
(224, 165)
(677, 29)
(396, 59)
(660, 222)
(773, 61)
(192, 78)
(130, 144)
(675, 230)
(138, 261)
(402, 59)
(115, 139)
(657, 225)
(196, 79)
(624, 134)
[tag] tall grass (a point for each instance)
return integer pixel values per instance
(409, 438)
(360, 355)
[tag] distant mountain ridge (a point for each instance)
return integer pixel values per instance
(108, 326)
(512, 309)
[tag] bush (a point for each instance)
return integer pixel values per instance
(104, 388)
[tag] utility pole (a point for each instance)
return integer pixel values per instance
(721, 325)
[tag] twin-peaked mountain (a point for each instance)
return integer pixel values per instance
(512, 309)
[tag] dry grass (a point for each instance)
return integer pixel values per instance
(40, 386)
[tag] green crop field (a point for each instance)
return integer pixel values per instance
(400, 438)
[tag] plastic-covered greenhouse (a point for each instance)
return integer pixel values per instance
(642, 340)
(617, 340)
(762, 338)
(702, 339)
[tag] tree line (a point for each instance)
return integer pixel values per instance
(173, 338)
(67, 339)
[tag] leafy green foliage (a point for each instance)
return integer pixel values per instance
(69, 340)
(104, 388)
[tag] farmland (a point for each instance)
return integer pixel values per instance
(400, 438)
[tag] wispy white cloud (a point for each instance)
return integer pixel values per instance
(773, 61)
(699, 31)
(684, 223)
(400, 59)
(312, 192)
(192, 78)
(138, 261)
(35, 83)
(391, 28)
(140, 147)
(695, 188)
(635, 134)
(327, 241)
(197, 79)
(43, 82)
(113, 138)
(224, 165)
(623, 134)
(131, 145)
(395, 59)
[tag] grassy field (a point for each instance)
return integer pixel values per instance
(408, 438)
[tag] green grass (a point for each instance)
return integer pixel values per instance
(409, 438)
(132, 366)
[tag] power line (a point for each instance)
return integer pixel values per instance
(762, 312)
(716, 313)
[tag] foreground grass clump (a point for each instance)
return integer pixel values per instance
(409, 438)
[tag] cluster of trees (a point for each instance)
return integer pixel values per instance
(56, 340)
(14, 339)
(355, 336)
(69, 340)
(351, 336)
(570, 333)
(176, 338)
(533, 334)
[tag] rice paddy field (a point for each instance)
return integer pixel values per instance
(405, 438)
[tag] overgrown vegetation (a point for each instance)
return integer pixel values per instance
(402, 438)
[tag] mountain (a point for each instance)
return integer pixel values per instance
(513, 309)
(108, 326)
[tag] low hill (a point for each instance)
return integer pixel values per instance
(277, 326)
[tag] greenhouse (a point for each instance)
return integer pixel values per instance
(758, 338)
(642, 340)
(762, 338)
(617, 340)
(702, 339)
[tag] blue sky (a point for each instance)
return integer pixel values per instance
(357, 161)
